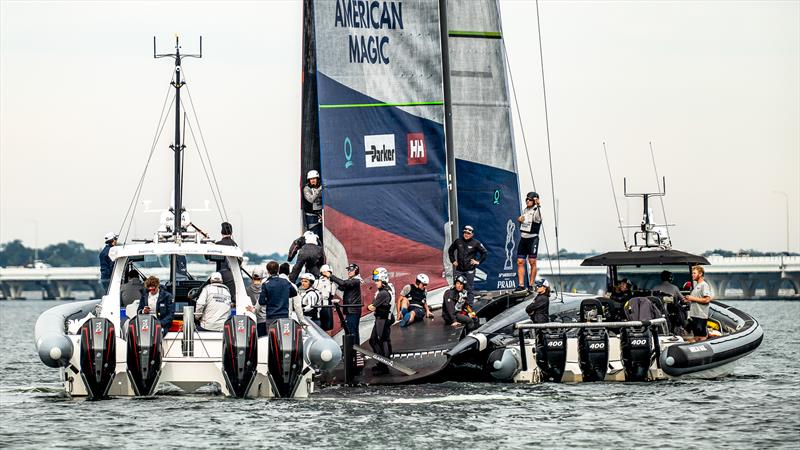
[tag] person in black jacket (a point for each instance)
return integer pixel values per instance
(457, 307)
(465, 254)
(157, 301)
(380, 340)
(222, 266)
(351, 296)
(539, 309)
(106, 265)
(311, 256)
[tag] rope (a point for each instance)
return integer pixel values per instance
(549, 152)
(614, 193)
(660, 197)
(205, 147)
(208, 178)
(134, 200)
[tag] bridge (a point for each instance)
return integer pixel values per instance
(736, 277)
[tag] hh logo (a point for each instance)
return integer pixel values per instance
(379, 150)
(417, 153)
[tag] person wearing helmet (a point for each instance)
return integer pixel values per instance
(310, 257)
(310, 298)
(106, 265)
(465, 254)
(327, 292)
(213, 305)
(381, 305)
(530, 223)
(312, 202)
(457, 306)
(539, 308)
(275, 296)
(351, 297)
(413, 303)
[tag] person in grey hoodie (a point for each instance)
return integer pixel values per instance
(253, 291)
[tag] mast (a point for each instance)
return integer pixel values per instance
(177, 147)
(452, 197)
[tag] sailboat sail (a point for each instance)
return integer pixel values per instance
(381, 134)
(483, 146)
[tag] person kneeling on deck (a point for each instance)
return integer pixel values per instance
(213, 305)
(456, 307)
(380, 340)
(413, 304)
(157, 301)
(539, 309)
(311, 298)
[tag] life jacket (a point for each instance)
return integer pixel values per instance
(311, 301)
(417, 297)
(531, 227)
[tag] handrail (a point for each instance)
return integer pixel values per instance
(633, 323)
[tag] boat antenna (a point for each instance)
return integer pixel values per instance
(614, 194)
(549, 152)
(177, 146)
(660, 197)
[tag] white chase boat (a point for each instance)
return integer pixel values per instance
(102, 352)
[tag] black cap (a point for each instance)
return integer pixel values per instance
(353, 266)
(227, 228)
(532, 195)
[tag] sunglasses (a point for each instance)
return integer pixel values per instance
(152, 289)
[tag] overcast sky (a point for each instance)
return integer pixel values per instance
(714, 85)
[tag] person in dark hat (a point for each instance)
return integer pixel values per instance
(530, 222)
(106, 265)
(222, 266)
(466, 253)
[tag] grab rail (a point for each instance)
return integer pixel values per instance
(524, 325)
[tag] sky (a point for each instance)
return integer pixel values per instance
(714, 85)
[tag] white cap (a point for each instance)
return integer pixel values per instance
(310, 237)
(216, 276)
(325, 268)
(308, 276)
(110, 236)
(312, 174)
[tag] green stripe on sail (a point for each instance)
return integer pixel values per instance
(486, 34)
(375, 105)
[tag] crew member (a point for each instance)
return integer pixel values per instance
(254, 291)
(133, 289)
(530, 223)
(310, 297)
(457, 307)
(699, 299)
(106, 265)
(213, 305)
(465, 254)
(351, 297)
(667, 287)
(274, 296)
(310, 257)
(327, 292)
(381, 305)
(413, 303)
(312, 202)
(222, 266)
(157, 301)
(539, 308)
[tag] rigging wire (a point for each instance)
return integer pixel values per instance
(159, 129)
(549, 152)
(527, 153)
(660, 197)
(205, 170)
(205, 148)
(614, 193)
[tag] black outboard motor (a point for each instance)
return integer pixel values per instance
(144, 353)
(593, 349)
(285, 355)
(98, 356)
(591, 310)
(637, 351)
(239, 353)
(551, 353)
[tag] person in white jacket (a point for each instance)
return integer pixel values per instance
(213, 305)
(327, 291)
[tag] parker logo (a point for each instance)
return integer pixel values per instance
(417, 153)
(379, 150)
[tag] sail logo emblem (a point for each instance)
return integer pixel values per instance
(348, 153)
(417, 153)
(379, 150)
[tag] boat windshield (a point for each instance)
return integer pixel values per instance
(188, 272)
(646, 278)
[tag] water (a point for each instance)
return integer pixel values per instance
(757, 407)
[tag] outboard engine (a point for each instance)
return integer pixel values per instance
(637, 351)
(593, 349)
(239, 353)
(285, 356)
(98, 356)
(144, 353)
(551, 353)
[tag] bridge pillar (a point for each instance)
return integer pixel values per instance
(49, 290)
(64, 290)
(16, 291)
(5, 292)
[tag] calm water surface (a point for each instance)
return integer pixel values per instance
(758, 407)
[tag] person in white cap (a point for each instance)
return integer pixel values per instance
(312, 202)
(311, 298)
(327, 292)
(106, 265)
(213, 305)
